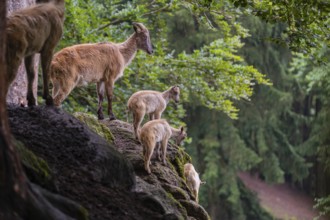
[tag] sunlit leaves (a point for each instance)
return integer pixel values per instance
(307, 21)
(216, 76)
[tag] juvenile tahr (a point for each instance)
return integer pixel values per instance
(192, 179)
(36, 29)
(158, 131)
(100, 63)
(150, 102)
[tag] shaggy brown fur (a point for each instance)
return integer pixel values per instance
(150, 102)
(32, 30)
(156, 131)
(101, 63)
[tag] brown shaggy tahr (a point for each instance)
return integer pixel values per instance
(158, 131)
(101, 63)
(36, 29)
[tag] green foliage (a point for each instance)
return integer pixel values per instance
(315, 81)
(271, 130)
(274, 125)
(218, 75)
(251, 206)
(323, 205)
(219, 153)
(307, 22)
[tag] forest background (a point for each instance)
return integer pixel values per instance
(255, 83)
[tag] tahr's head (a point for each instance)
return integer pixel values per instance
(142, 38)
(180, 137)
(175, 93)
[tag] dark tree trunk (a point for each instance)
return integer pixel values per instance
(12, 178)
(18, 89)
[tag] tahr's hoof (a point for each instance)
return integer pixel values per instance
(100, 116)
(49, 101)
(33, 104)
(23, 103)
(112, 118)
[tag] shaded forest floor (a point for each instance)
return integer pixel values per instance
(281, 200)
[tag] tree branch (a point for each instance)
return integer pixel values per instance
(127, 19)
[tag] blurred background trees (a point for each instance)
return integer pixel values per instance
(255, 85)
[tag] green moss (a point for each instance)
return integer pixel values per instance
(84, 213)
(178, 204)
(177, 192)
(122, 133)
(31, 161)
(180, 160)
(99, 128)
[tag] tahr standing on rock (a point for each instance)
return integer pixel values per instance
(150, 102)
(36, 29)
(158, 131)
(100, 63)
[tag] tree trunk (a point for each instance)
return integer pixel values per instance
(12, 177)
(18, 89)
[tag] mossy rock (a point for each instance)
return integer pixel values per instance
(165, 188)
(179, 159)
(36, 168)
(163, 202)
(92, 122)
(177, 192)
(195, 210)
(121, 128)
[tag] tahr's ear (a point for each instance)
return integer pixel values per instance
(137, 27)
(181, 129)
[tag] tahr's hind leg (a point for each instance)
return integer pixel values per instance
(109, 86)
(46, 58)
(100, 95)
(29, 65)
(137, 119)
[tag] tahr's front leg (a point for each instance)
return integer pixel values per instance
(100, 95)
(29, 61)
(109, 90)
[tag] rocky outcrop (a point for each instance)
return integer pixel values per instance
(107, 177)
(166, 183)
